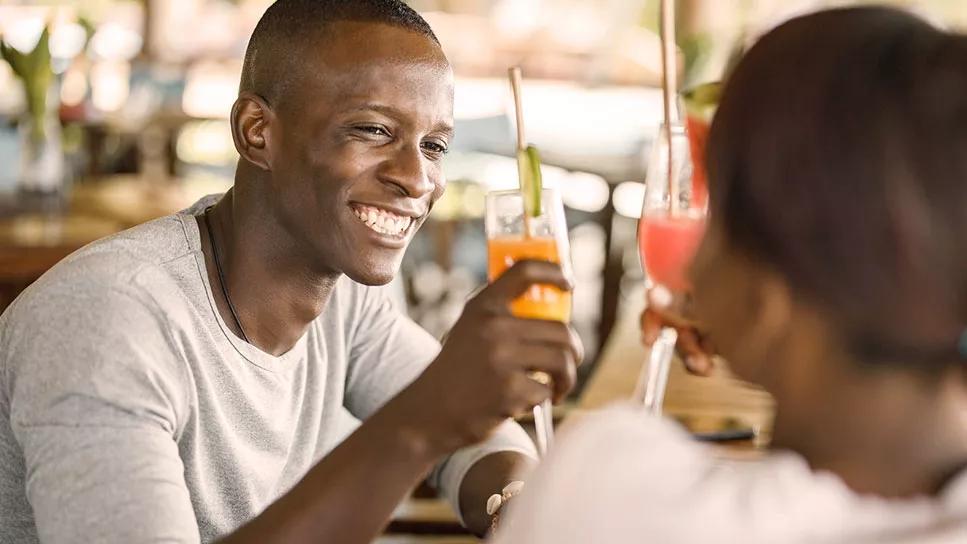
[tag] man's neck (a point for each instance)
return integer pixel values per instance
(275, 294)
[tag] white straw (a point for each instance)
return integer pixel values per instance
(669, 89)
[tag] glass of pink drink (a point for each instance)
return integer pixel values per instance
(669, 232)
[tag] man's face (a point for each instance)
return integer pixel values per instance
(357, 156)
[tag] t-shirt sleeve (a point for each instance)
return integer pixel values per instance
(390, 351)
(97, 395)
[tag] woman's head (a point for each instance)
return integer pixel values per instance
(838, 177)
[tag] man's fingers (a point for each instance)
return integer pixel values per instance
(564, 378)
(555, 363)
(577, 346)
(555, 333)
(529, 393)
(516, 280)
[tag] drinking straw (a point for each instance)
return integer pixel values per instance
(669, 75)
(543, 422)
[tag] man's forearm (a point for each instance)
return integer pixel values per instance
(350, 495)
(486, 477)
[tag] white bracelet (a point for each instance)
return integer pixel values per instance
(497, 500)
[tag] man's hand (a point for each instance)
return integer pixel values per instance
(693, 345)
(481, 377)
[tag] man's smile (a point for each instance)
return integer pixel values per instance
(393, 224)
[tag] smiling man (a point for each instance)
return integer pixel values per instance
(185, 380)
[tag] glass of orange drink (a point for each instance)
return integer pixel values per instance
(511, 238)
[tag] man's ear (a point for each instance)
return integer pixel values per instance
(252, 122)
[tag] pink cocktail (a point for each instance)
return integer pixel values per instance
(669, 234)
(668, 245)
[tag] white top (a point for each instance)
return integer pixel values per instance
(618, 476)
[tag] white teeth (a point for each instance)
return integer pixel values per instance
(382, 221)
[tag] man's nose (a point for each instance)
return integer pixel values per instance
(406, 172)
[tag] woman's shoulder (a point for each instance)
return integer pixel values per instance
(624, 431)
(619, 475)
(612, 476)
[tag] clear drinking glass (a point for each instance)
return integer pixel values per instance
(669, 232)
(510, 238)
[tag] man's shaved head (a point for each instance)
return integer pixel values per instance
(274, 58)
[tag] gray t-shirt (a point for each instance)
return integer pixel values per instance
(130, 413)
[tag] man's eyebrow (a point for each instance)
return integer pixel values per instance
(380, 108)
(445, 128)
(390, 111)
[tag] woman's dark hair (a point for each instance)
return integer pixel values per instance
(838, 156)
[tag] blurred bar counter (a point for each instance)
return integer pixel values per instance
(36, 233)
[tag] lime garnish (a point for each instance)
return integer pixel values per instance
(529, 167)
(701, 100)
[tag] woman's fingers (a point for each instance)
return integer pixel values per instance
(694, 347)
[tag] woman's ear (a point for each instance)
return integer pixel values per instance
(775, 307)
(252, 123)
(771, 320)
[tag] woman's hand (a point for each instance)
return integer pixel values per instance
(693, 345)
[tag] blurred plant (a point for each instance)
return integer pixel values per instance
(35, 72)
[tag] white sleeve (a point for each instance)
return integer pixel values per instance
(448, 476)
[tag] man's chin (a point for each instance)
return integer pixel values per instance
(373, 277)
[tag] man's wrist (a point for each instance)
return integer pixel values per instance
(488, 476)
(415, 432)
(498, 501)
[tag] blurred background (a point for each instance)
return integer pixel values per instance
(113, 112)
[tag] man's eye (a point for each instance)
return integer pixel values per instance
(435, 148)
(373, 130)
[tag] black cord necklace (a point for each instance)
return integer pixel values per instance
(221, 275)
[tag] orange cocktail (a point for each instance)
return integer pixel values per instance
(540, 301)
(543, 237)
